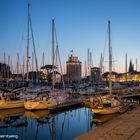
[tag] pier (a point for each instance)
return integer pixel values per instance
(66, 106)
(123, 127)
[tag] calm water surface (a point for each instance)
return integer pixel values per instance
(41, 125)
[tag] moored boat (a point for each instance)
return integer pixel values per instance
(109, 104)
(11, 104)
(45, 103)
(9, 100)
(108, 110)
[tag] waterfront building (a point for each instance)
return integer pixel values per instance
(73, 69)
(114, 76)
(95, 74)
(121, 77)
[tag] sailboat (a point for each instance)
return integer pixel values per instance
(10, 100)
(111, 104)
(55, 97)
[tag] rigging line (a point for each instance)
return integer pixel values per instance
(48, 43)
(105, 44)
(56, 56)
(61, 69)
(56, 52)
(33, 43)
(59, 58)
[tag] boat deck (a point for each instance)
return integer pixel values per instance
(123, 127)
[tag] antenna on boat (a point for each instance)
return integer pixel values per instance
(110, 60)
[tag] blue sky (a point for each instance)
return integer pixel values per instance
(80, 24)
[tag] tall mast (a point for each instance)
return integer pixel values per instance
(11, 65)
(136, 64)
(23, 65)
(101, 66)
(4, 68)
(85, 69)
(53, 82)
(17, 64)
(110, 60)
(88, 58)
(28, 24)
(32, 61)
(8, 66)
(126, 67)
(32, 66)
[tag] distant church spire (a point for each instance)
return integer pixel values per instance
(131, 67)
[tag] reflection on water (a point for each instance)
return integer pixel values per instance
(12, 118)
(41, 125)
(99, 119)
(37, 114)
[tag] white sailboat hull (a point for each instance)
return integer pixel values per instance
(11, 104)
(36, 105)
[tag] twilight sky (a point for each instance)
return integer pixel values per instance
(80, 24)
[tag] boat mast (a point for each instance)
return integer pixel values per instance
(85, 69)
(110, 60)
(17, 66)
(4, 67)
(126, 67)
(17, 63)
(53, 55)
(32, 66)
(8, 67)
(136, 64)
(88, 60)
(101, 65)
(27, 59)
(33, 42)
(23, 67)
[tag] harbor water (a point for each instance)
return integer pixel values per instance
(41, 125)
